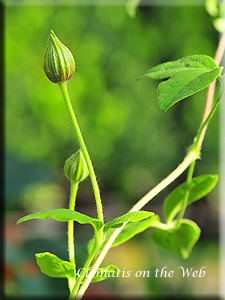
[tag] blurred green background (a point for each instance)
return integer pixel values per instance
(132, 144)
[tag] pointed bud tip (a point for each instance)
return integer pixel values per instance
(59, 64)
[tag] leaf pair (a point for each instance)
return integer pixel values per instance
(128, 232)
(188, 75)
(65, 215)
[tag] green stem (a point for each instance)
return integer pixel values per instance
(187, 193)
(192, 156)
(71, 246)
(85, 267)
(64, 90)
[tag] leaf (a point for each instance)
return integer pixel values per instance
(132, 229)
(131, 7)
(188, 75)
(63, 215)
(199, 187)
(90, 245)
(184, 84)
(129, 231)
(211, 7)
(128, 217)
(53, 266)
(179, 241)
(192, 62)
(105, 273)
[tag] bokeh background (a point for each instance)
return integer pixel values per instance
(132, 144)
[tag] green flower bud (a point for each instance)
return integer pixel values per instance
(59, 64)
(75, 167)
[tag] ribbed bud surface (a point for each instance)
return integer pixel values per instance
(59, 64)
(75, 167)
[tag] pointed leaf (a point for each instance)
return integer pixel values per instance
(128, 217)
(184, 84)
(199, 187)
(192, 62)
(53, 266)
(179, 241)
(132, 229)
(63, 215)
(188, 75)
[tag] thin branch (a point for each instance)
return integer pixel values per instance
(211, 89)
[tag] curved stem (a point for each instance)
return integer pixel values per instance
(71, 249)
(191, 157)
(64, 90)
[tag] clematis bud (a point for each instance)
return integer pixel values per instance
(75, 167)
(59, 64)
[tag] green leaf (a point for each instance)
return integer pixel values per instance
(199, 187)
(63, 215)
(188, 75)
(193, 62)
(129, 231)
(131, 7)
(184, 84)
(53, 266)
(105, 273)
(132, 229)
(90, 245)
(211, 7)
(180, 241)
(128, 217)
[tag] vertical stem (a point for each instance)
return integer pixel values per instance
(64, 90)
(85, 267)
(186, 196)
(73, 194)
(71, 246)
